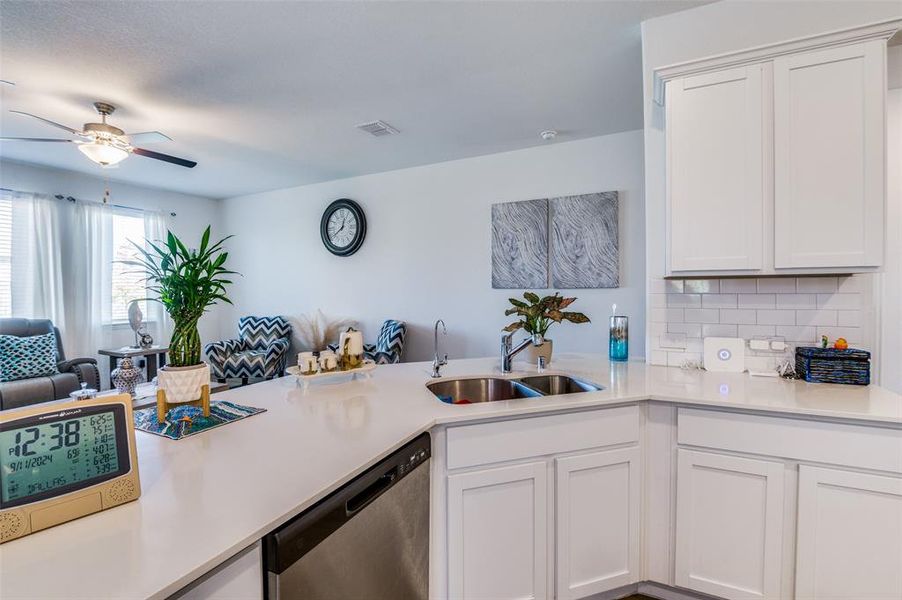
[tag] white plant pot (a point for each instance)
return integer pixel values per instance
(182, 384)
(534, 352)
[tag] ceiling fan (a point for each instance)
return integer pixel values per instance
(105, 144)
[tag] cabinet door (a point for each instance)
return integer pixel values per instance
(829, 157)
(497, 532)
(849, 535)
(729, 525)
(715, 192)
(597, 507)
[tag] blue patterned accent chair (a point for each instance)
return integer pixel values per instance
(389, 345)
(261, 350)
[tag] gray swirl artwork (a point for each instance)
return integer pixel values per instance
(584, 241)
(566, 242)
(520, 244)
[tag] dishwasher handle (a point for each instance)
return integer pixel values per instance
(373, 491)
(287, 544)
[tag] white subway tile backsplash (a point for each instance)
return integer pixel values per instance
(853, 283)
(657, 301)
(658, 357)
(797, 309)
(719, 301)
(701, 315)
(848, 318)
(740, 316)
(719, 330)
(656, 286)
(806, 335)
(750, 331)
(674, 286)
(852, 334)
(666, 315)
(693, 330)
(738, 286)
(796, 301)
(684, 300)
(777, 285)
(674, 341)
(701, 286)
(776, 317)
(816, 317)
(837, 301)
(757, 301)
(656, 329)
(816, 285)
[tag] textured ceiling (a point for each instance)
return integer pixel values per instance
(266, 95)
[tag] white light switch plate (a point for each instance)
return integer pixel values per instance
(725, 354)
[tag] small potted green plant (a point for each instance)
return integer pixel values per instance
(538, 314)
(187, 283)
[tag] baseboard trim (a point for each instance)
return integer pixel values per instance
(653, 590)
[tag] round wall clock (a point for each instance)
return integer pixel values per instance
(343, 227)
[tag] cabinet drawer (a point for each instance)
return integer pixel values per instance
(860, 446)
(485, 443)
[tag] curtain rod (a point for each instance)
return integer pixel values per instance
(73, 199)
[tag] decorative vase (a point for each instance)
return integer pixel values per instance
(126, 376)
(183, 384)
(534, 352)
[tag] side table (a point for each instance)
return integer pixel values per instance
(152, 354)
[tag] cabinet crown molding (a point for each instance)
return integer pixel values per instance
(879, 30)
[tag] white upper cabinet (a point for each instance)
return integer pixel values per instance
(829, 157)
(775, 158)
(715, 201)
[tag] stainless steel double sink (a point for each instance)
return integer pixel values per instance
(492, 389)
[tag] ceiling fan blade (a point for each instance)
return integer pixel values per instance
(49, 122)
(13, 139)
(165, 157)
(147, 137)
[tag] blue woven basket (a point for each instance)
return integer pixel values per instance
(828, 365)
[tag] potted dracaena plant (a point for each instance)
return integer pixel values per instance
(537, 315)
(187, 282)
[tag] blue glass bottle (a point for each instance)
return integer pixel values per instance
(619, 342)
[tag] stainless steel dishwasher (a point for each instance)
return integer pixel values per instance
(368, 540)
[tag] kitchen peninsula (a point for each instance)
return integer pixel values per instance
(209, 497)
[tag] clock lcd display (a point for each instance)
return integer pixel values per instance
(44, 457)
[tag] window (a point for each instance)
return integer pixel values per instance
(128, 281)
(6, 252)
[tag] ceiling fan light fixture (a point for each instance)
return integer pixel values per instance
(103, 154)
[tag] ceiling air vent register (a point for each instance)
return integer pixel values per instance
(378, 128)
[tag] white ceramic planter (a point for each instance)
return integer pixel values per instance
(534, 352)
(182, 384)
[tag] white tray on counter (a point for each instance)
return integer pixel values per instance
(364, 369)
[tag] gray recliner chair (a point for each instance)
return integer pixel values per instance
(23, 392)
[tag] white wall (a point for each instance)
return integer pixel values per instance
(193, 213)
(427, 251)
(718, 28)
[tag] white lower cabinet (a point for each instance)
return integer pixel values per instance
(729, 525)
(849, 542)
(597, 505)
(498, 532)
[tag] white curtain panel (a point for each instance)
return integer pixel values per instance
(159, 325)
(37, 256)
(88, 276)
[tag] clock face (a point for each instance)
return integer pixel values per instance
(343, 227)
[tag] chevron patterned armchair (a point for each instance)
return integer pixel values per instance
(260, 350)
(389, 345)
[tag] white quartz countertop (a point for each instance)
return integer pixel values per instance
(206, 497)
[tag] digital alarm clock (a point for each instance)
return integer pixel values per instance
(63, 460)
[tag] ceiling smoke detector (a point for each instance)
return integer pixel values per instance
(378, 128)
(548, 135)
